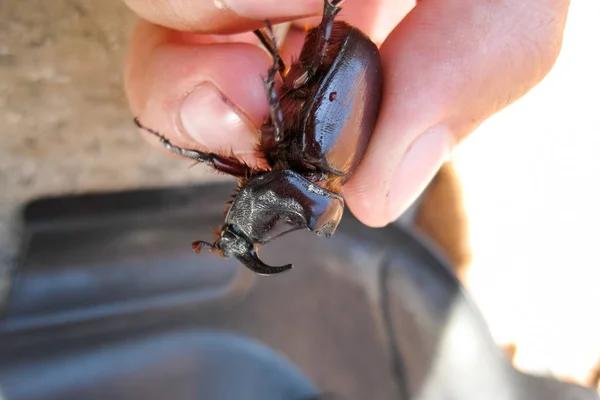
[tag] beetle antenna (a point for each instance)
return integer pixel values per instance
(199, 244)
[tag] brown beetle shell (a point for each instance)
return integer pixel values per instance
(329, 120)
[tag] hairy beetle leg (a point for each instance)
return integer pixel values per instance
(332, 8)
(226, 165)
(269, 44)
(274, 106)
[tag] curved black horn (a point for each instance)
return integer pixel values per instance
(252, 262)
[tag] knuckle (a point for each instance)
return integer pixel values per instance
(538, 35)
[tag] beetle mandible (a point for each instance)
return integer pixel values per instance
(320, 122)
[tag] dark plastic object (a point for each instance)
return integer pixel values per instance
(182, 365)
(109, 301)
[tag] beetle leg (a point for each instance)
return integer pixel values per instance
(332, 8)
(269, 44)
(274, 106)
(228, 165)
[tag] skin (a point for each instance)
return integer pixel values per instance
(448, 66)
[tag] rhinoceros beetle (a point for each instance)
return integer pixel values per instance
(320, 123)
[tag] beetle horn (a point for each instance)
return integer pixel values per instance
(251, 261)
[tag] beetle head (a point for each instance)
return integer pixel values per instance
(232, 243)
(270, 205)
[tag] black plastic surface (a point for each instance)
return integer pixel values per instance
(368, 314)
(182, 365)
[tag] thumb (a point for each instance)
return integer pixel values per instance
(448, 66)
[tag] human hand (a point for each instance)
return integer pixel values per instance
(448, 65)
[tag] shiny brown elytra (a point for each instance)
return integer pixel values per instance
(319, 126)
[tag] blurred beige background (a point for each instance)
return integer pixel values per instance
(65, 125)
(528, 176)
(531, 180)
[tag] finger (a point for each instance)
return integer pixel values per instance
(221, 16)
(198, 93)
(448, 66)
(191, 95)
(376, 18)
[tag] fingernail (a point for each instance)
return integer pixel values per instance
(214, 122)
(263, 9)
(417, 168)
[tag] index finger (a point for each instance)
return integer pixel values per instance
(222, 16)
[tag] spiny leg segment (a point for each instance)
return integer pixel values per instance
(270, 45)
(274, 106)
(332, 8)
(228, 165)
